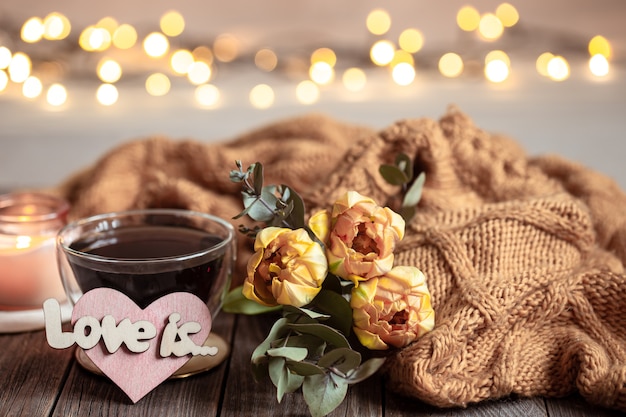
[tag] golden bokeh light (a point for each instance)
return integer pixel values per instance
(403, 73)
(172, 23)
(56, 26)
(32, 87)
(199, 73)
(558, 68)
(541, 64)
(125, 36)
(600, 45)
(508, 14)
(599, 65)
(468, 18)
(181, 61)
(32, 30)
(5, 57)
(382, 52)
(20, 67)
(307, 92)
(411, 40)
(109, 70)
(56, 95)
(497, 55)
(490, 27)
(226, 48)
(401, 55)
(497, 71)
(322, 73)
(262, 96)
(451, 65)
(354, 79)
(107, 94)
(158, 84)
(4, 80)
(156, 45)
(94, 38)
(265, 59)
(207, 95)
(204, 54)
(378, 22)
(326, 55)
(109, 24)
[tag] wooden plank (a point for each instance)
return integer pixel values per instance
(245, 397)
(576, 406)
(31, 374)
(89, 394)
(399, 406)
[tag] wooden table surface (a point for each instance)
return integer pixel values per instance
(37, 380)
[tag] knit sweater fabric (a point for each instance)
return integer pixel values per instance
(524, 256)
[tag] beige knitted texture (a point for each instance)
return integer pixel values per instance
(523, 256)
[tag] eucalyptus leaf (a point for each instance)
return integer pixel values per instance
(258, 178)
(414, 193)
(392, 174)
(324, 332)
(367, 369)
(278, 330)
(304, 368)
(404, 163)
(293, 353)
(337, 308)
(296, 215)
(236, 303)
(323, 394)
(283, 379)
(342, 359)
(260, 207)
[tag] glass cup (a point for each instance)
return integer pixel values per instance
(147, 254)
(29, 223)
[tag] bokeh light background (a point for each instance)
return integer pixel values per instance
(78, 78)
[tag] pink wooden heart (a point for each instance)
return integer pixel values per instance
(139, 373)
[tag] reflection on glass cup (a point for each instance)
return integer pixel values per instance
(29, 223)
(147, 254)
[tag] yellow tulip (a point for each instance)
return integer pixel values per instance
(287, 268)
(392, 310)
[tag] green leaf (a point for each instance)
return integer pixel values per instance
(259, 207)
(277, 331)
(296, 216)
(304, 368)
(258, 178)
(392, 174)
(306, 312)
(293, 353)
(407, 212)
(323, 394)
(236, 303)
(324, 332)
(338, 308)
(403, 162)
(342, 359)
(414, 194)
(283, 379)
(367, 369)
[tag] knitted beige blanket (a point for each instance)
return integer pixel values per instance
(524, 256)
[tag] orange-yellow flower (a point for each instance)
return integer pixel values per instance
(362, 238)
(287, 268)
(392, 310)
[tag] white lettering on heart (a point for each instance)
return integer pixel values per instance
(88, 331)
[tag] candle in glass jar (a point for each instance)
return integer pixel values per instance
(29, 274)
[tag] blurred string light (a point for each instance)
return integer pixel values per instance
(107, 94)
(199, 64)
(450, 65)
(262, 96)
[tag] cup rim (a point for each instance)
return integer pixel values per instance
(59, 206)
(217, 248)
